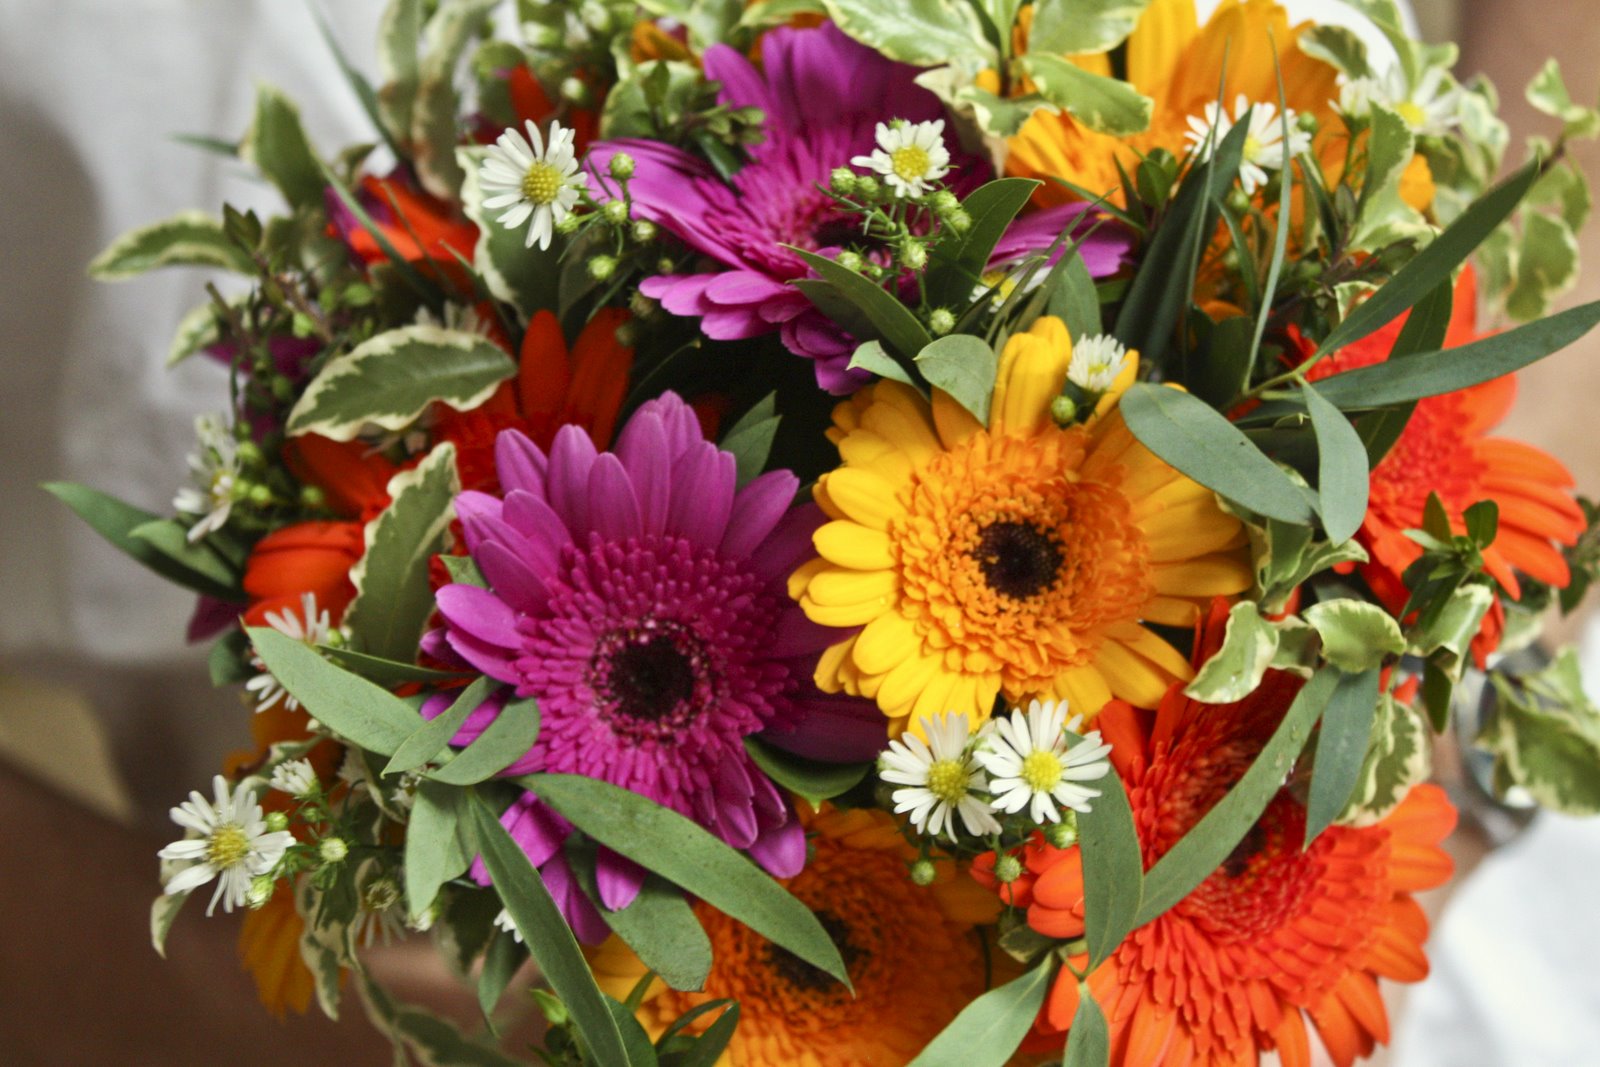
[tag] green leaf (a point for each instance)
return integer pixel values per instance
(464, 571)
(438, 846)
(1356, 636)
(1399, 756)
(434, 123)
(1547, 265)
(989, 1029)
(391, 379)
(1076, 27)
(812, 779)
(500, 963)
(386, 672)
(956, 267)
(891, 321)
(433, 735)
(963, 366)
(197, 558)
(1548, 92)
(547, 935)
(507, 739)
(871, 357)
(924, 33)
(1342, 475)
(1426, 327)
(1113, 870)
(660, 927)
(708, 21)
(1291, 558)
(1338, 46)
(1107, 105)
(1341, 749)
(399, 40)
(750, 439)
(276, 143)
(1089, 1040)
(393, 595)
(189, 239)
(1196, 439)
(116, 522)
(351, 707)
(526, 278)
(640, 1051)
(432, 1040)
(1235, 670)
(228, 662)
(708, 1048)
(999, 116)
(1434, 264)
(766, 13)
(676, 848)
(1210, 841)
(1075, 301)
(163, 913)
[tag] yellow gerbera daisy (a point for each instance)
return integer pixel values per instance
(1181, 67)
(1021, 558)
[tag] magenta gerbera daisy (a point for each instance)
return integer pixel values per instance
(823, 96)
(639, 596)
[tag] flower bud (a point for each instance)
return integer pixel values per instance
(333, 849)
(615, 211)
(914, 255)
(644, 231)
(1064, 410)
(602, 267)
(1007, 869)
(1062, 834)
(849, 260)
(574, 91)
(941, 321)
(923, 872)
(312, 497)
(260, 495)
(958, 221)
(621, 166)
(261, 887)
(277, 821)
(842, 180)
(250, 454)
(867, 187)
(569, 224)
(944, 202)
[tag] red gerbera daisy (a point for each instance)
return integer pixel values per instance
(1446, 449)
(1277, 935)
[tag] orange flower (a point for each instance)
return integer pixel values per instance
(417, 226)
(307, 557)
(532, 104)
(911, 952)
(1277, 935)
(1446, 449)
(353, 478)
(553, 388)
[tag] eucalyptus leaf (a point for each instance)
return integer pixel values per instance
(1342, 475)
(386, 672)
(439, 845)
(1089, 1040)
(963, 366)
(811, 779)
(890, 320)
(431, 737)
(1341, 749)
(676, 848)
(713, 1041)
(500, 963)
(990, 1029)
(504, 741)
(547, 936)
(197, 557)
(750, 439)
(659, 925)
(956, 267)
(1113, 870)
(871, 357)
(350, 706)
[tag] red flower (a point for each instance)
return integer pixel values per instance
(307, 557)
(1275, 937)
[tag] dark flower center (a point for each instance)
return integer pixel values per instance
(802, 975)
(648, 681)
(1018, 559)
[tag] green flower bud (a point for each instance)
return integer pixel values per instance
(849, 260)
(1064, 410)
(1307, 122)
(642, 306)
(923, 872)
(1238, 200)
(574, 91)
(944, 202)
(644, 231)
(1063, 834)
(621, 166)
(277, 820)
(569, 225)
(240, 490)
(867, 187)
(313, 498)
(250, 454)
(260, 495)
(1007, 869)
(842, 180)
(914, 255)
(958, 221)
(615, 211)
(333, 849)
(602, 267)
(261, 887)
(941, 321)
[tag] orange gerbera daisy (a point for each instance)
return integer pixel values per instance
(553, 388)
(1180, 66)
(1275, 937)
(1019, 558)
(420, 228)
(1446, 449)
(912, 955)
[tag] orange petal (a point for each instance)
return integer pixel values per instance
(544, 375)
(600, 366)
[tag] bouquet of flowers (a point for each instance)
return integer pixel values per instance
(856, 532)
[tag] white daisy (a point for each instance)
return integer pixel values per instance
(1263, 145)
(911, 156)
(228, 840)
(1431, 107)
(939, 778)
(310, 627)
(532, 180)
(1096, 362)
(1032, 758)
(295, 777)
(215, 470)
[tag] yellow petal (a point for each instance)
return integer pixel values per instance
(954, 422)
(901, 686)
(803, 575)
(1084, 689)
(888, 640)
(1033, 367)
(849, 544)
(863, 496)
(1149, 645)
(1174, 541)
(1164, 31)
(1207, 576)
(935, 696)
(1171, 611)
(1132, 678)
(835, 671)
(839, 585)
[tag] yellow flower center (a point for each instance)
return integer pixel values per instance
(1415, 117)
(541, 183)
(909, 162)
(1041, 770)
(947, 780)
(227, 847)
(1252, 147)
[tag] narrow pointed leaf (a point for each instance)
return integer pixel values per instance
(989, 1029)
(1341, 749)
(506, 740)
(350, 706)
(1342, 475)
(433, 735)
(1113, 869)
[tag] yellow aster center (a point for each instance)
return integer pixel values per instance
(1252, 147)
(541, 183)
(909, 162)
(227, 847)
(1414, 115)
(947, 780)
(1041, 770)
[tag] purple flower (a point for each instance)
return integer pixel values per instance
(823, 95)
(639, 596)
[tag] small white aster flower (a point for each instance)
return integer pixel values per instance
(506, 923)
(353, 770)
(1096, 362)
(1031, 759)
(938, 778)
(228, 840)
(295, 777)
(1263, 145)
(380, 918)
(215, 473)
(532, 180)
(910, 156)
(404, 794)
(1431, 107)
(311, 627)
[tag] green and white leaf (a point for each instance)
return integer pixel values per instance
(389, 380)
(434, 123)
(1399, 756)
(1235, 670)
(1548, 92)
(1076, 27)
(188, 239)
(1546, 265)
(277, 144)
(924, 33)
(399, 42)
(1356, 635)
(1108, 105)
(196, 330)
